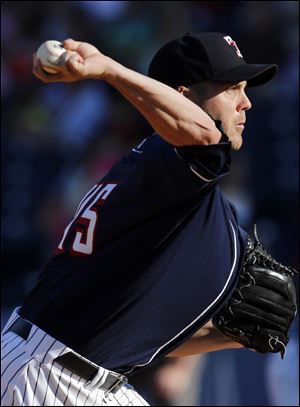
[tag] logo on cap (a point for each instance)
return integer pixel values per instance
(230, 41)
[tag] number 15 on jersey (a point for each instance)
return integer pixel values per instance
(87, 217)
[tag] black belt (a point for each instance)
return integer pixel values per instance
(73, 362)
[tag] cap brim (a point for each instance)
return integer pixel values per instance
(254, 74)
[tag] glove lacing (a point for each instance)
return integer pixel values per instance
(276, 339)
(256, 251)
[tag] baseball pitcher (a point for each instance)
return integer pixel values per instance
(154, 262)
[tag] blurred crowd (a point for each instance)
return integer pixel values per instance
(59, 139)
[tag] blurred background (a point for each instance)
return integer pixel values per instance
(58, 140)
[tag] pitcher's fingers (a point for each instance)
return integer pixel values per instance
(74, 63)
(71, 45)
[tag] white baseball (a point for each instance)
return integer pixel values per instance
(49, 54)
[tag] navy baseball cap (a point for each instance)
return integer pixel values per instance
(197, 57)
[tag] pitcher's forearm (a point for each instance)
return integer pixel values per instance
(206, 339)
(172, 115)
(196, 346)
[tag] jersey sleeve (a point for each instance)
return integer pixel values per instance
(208, 162)
(188, 168)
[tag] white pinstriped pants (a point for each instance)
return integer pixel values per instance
(30, 377)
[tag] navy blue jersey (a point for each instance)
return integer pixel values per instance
(152, 252)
